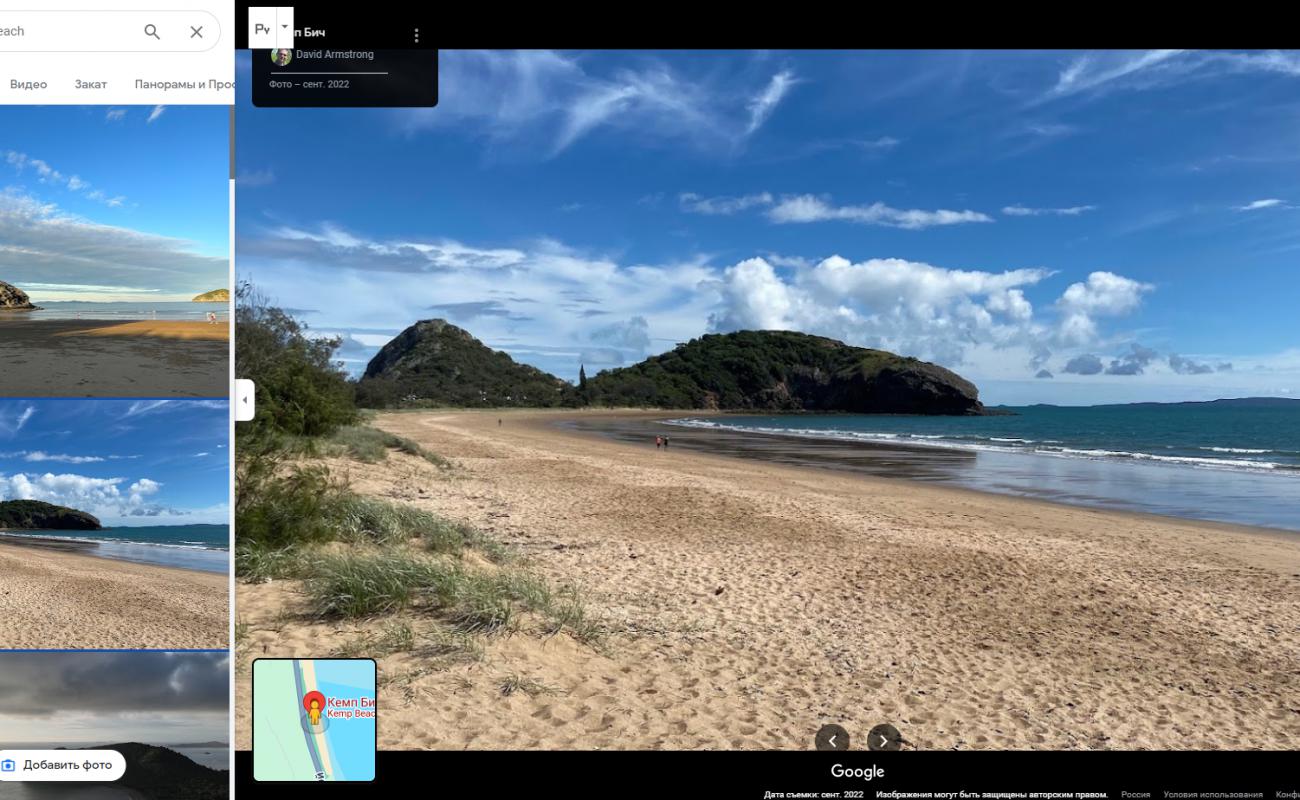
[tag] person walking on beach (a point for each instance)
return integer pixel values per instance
(659, 441)
(498, 422)
(665, 442)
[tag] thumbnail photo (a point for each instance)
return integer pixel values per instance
(165, 712)
(668, 401)
(114, 251)
(114, 527)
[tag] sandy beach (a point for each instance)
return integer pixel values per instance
(94, 358)
(749, 603)
(52, 596)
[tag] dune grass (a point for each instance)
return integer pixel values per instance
(371, 445)
(281, 516)
(361, 585)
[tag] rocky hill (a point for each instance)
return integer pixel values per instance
(38, 515)
(214, 296)
(14, 299)
(785, 371)
(436, 363)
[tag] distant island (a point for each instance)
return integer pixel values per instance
(14, 299)
(1226, 402)
(214, 296)
(39, 515)
(436, 363)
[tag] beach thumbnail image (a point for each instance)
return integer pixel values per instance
(114, 251)
(166, 713)
(707, 400)
(114, 523)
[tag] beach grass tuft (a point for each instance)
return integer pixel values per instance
(371, 445)
(529, 686)
(359, 585)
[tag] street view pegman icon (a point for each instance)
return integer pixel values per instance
(313, 702)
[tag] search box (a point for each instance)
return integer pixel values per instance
(108, 31)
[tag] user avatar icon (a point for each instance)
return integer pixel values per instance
(281, 57)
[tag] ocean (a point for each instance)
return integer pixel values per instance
(201, 547)
(1222, 462)
(123, 311)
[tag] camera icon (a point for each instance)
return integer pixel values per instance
(8, 765)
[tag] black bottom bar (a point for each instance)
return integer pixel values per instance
(914, 775)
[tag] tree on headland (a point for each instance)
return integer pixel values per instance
(582, 381)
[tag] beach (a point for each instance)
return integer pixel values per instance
(749, 602)
(56, 596)
(104, 358)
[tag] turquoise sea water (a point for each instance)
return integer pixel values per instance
(1232, 463)
(201, 547)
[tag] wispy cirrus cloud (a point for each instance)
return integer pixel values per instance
(517, 98)
(1069, 211)
(714, 206)
(10, 424)
(1098, 72)
(763, 104)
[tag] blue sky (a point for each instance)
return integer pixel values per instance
(123, 203)
(1125, 223)
(128, 462)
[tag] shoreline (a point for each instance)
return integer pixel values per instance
(56, 598)
(129, 551)
(919, 464)
(750, 602)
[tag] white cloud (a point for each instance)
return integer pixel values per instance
(46, 173)
(904, 306)
(156, 113)
(695, 204)
(103, 497)
(39, 455)
(115, 114)
(1022, 211)
(809, 208)
(59, 252)
(1103, 294)
(1256, 205)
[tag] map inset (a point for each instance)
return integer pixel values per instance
(313, 719)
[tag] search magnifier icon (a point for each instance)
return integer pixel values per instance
(152, 30)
